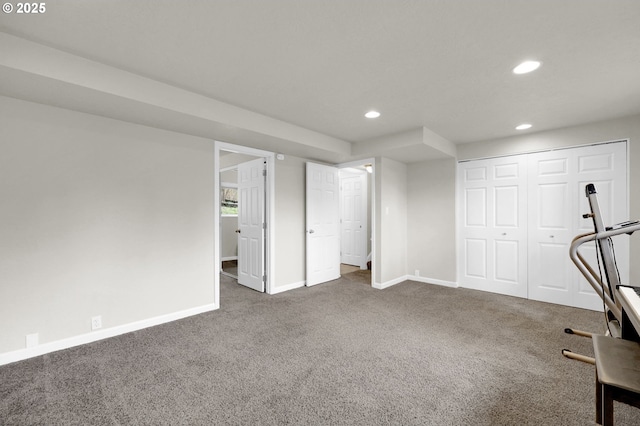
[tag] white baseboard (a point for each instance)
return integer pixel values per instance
(287, 287)
(94, 336)
(433, 281)
(225, 259)
(382, 286)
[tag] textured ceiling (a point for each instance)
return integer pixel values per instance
(443, 65)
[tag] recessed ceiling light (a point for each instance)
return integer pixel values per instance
(372, 114)
(526, 66)
(523, 127)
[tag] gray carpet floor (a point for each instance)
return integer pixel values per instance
(340, 353)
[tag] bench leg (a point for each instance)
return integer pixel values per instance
(607, 405)
(598, 401)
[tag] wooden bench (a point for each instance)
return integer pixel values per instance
(617, 375)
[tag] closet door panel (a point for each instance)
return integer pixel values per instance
(549, 231)
(606, 167)
(492, 242)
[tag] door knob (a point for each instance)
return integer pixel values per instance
(311, 231)
(237, 231)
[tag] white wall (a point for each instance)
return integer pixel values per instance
(99, 217)
(290, 222)
(431, 224)
(230, 159)
(104, 217)
(391, 229)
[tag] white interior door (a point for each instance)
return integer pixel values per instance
(251, 224)
(493, 252)
(353, 218)
(323, 223)
(557, 181)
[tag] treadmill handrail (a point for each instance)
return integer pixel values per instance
(601, 288)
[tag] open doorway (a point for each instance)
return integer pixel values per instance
(243, 182)
(242, 205)
(356, 198)
(323, 222)
(228, 217)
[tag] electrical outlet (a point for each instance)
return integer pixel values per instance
(417, 274)
(96, 322)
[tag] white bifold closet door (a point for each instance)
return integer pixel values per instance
(520, 213)
(557, 201)
(493, 229)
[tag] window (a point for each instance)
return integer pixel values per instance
(228, 200)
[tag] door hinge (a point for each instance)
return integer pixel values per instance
(264, 278)
(264, 225)
(264, 172)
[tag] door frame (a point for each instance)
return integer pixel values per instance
(375, 262)
(269, 247)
